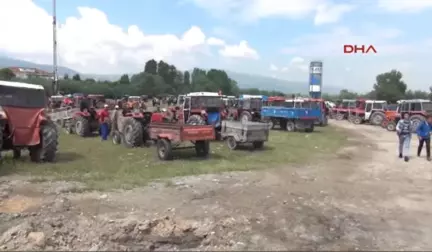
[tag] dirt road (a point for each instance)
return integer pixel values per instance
(362, 198)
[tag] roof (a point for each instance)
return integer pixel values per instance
(294, 100)
(20, 85)
(204, 94)
(29, 70)
(375, 101)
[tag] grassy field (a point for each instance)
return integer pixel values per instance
(103, 165)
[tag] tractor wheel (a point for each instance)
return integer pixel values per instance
(384, 123)
(258, 144)
(377, 118)
(416, 120)
(245, 117)
(339, 117)
(46, 150)
(133, 133)
(202, 148)
(195, 120)
(164, 149)
(116, 138)
(310, 129)
(271, 124)
(356, 119)
(391, 126)
(82, 126)
(231, 143)
(290, 126)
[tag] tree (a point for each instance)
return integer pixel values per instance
(124, 79)
(390, 86)
(6, 74)
(76, 77)
(66, 77)
(151, 67)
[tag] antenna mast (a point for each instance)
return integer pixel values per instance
(55, 88)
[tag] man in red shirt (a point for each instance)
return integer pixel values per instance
(103, 122)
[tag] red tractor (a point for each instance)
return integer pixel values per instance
(341, 111)
(417, 109)
(372, 111)
(23, 123)
(247, 108)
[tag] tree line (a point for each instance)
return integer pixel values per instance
(161, 78)
(157, 78)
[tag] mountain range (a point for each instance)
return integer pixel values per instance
(243, 80)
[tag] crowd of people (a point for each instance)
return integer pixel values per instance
(423, 132)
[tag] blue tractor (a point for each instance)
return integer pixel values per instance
(291, 115)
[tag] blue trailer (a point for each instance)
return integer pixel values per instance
(292, 119)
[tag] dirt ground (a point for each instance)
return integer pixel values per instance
(362, 198)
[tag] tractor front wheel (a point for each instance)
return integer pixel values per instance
(391, 126)
(46, 150)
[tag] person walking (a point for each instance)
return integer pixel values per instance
(403, 129)
(423, 134)
(103, 122)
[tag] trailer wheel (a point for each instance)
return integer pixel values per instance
(271, 124)
(202, 148)
(164, 149)
(310, 129)
(16, 153)
(290, 126)
(339, 117)
(232, 143)
(258, 144)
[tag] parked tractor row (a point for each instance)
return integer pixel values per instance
(380, 113)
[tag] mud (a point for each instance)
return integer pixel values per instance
(361, 198)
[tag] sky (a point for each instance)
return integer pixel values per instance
(275, 38)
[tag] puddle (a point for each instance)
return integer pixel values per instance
(19, 204)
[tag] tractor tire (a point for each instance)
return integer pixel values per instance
(231, 143)
(164, 149)
(377, 118)
(195, 120)
(133, 133)
(391, 126)
(271, 124)
(339, 117)
(290, 126)
(116, 138)
(310, 129)
(245, 117)
(356, 120)
(202, 148)
(46, 150)
(416, 120)
(82, 126)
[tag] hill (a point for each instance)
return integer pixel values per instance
(244, 80)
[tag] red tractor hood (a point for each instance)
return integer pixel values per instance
(24, 124)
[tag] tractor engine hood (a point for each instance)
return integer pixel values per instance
(24, 125)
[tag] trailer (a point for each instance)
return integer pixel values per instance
(292, 119)
(238, 133)
(170, 136)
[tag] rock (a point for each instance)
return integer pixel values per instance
(103, 196)
(37, 238)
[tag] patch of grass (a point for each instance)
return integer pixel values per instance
(103, 165)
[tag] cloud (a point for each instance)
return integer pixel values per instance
(241, 50)
(323, 11)
(91, 44)
(296, 64)
(411, 6)
(273, 68)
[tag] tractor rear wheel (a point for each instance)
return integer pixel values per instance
(133, 133)
(46, 150)
(82, 126)
(202, 148)
(195, 120)
(377, 118)
(245, 117)
(416, 120)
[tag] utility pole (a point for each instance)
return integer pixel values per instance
(55, 88)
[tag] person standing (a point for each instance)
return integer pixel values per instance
(403, 129)
(423, 134)
(103, 122)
